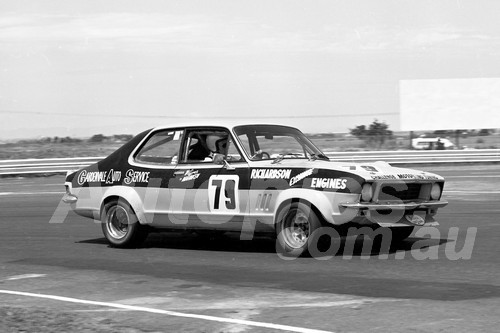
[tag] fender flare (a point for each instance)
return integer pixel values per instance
(129, 195)
(314, 198)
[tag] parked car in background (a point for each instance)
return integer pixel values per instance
(432, 143)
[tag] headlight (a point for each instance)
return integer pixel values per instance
(435, 191)
(366, 192)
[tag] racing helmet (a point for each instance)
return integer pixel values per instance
(217, 143)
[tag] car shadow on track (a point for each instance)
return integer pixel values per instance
(363, 246)
(198, 242)
(231, 242)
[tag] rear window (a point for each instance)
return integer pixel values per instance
(161, 148)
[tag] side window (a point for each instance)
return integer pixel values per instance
(161, 149)
(200, 146)
(195, 148)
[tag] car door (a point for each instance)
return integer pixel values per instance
(205, 194)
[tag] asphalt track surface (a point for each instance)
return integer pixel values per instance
(181, 282)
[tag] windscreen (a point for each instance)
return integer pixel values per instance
(271, 142)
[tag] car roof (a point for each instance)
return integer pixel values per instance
(215, 123)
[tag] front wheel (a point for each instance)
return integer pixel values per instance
(120, 225)
(295, 225)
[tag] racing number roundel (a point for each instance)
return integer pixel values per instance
(223, 194)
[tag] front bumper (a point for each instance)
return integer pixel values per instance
(395, 205)
(401, 213)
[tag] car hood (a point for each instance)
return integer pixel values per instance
(379, 170)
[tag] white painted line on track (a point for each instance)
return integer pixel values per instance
(30, 193)
(41, 184)
(168, 313)
(472, 192)
(474, 176)
(31, 183)
(24, 276)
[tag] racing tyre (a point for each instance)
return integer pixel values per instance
(295, 226)
(120, 225)
(401, 233)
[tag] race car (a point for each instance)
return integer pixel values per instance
(247, 178)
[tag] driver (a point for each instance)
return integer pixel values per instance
(217, 144)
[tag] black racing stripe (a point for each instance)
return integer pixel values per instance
(198, 178)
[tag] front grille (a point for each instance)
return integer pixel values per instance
(401, 191)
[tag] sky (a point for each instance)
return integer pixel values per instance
(78, 68)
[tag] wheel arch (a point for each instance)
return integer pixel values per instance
(130, 196)
(318, 203)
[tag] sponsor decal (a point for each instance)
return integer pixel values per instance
(91, 177)
(412, 176)
(223, 194)
(132, 176)
(335, 183)
(113, 176)
(270, 173)
(190, 175)
(407, 176)
(177, 135)
(301, 176)
(381, 177)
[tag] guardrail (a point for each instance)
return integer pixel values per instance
(62, 165)
(44, 166)
(420, 157)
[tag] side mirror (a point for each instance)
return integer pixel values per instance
(221, 160)
(228, 166)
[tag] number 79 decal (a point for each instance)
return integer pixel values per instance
(223, 193)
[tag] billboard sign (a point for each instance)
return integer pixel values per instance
(449, 104)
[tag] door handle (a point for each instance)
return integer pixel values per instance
(178, 172)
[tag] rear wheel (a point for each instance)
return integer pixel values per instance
(120, 225)
(295, 226)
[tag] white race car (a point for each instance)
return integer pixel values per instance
(245, 178)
